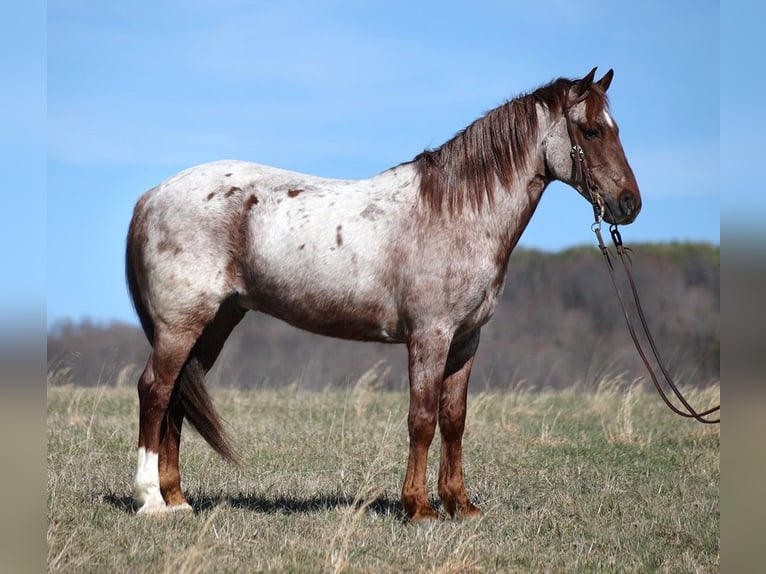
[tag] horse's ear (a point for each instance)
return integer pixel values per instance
(604, 82)
(581, 87)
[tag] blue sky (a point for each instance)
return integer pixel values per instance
(138, 91)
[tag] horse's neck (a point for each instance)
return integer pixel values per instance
(515, 206)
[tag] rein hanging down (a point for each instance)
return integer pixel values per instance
(623, 252)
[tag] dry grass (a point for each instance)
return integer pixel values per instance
(572, 481)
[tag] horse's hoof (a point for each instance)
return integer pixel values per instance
(184, 507)
(470, 512)
(152, 507)
(424, 514)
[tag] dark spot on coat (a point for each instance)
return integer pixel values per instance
(231, 191)
(227, 175)
(210, 195)
(372, 212)
(251, 201)
(338, 237)
(166, 245)
(301, 246)
(294, 192)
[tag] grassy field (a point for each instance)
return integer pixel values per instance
(573, 481)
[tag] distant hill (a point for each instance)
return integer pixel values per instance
(558, 323)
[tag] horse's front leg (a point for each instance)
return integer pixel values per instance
(452, 410)
(427, 356)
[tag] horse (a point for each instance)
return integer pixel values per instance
(415, 255)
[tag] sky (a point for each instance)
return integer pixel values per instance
(141, 90)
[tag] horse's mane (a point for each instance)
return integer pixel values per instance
(462, 172)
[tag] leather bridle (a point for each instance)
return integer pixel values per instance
(582, 177)
(583, 181)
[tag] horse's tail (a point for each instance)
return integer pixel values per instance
(199, 410)
(189, 392)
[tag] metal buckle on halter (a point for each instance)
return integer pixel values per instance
(577, 151)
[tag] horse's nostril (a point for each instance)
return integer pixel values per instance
(627, 203)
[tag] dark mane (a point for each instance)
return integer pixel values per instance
(462, 171)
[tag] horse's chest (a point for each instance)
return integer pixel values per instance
(483, 311)
(472, 300)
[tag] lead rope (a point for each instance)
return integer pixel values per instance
(622, 251)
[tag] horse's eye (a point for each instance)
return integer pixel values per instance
(591, 133)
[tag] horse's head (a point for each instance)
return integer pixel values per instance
(583, 149)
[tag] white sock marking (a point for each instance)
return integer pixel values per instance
(146, 486)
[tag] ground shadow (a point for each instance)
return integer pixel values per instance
(124, 503)
(296, 504)
(272, 504)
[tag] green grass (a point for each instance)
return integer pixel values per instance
(573, 481)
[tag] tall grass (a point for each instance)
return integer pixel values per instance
(569, 481)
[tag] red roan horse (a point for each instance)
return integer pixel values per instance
(415, 255)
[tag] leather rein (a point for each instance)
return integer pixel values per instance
(583, 180)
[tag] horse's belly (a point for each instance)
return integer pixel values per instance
(354, 328)
(326, 295)
(357, 320)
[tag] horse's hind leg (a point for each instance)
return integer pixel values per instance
(155, 387)
(206, 349)
(452, 410)
(170, 474)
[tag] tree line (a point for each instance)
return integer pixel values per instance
(557, 324)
